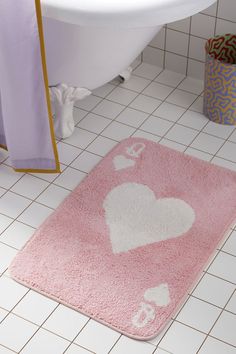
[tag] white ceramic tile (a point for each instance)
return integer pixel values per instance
(101, 145)
(156, 125)
(198, 314)
(172, 144)
(3, 314)
(170, 78)
(15, 332)
(224, 328)
(136, 83)
(228, 151)
(224, 163)
(193, 120)
(118, 131)
(108, 109)
(202, 26)
(3, 155)
(122, 96)
(88, 103)
(80, 138)
(192, 85)
(5, 221)
(219, 130)
(145, 103)
(211, 10)
(182, 25)
(157, 90)
(197, 48)
(231, 306)
(53, 196)
(35, 307)
(145, 135)
(11, 292)
(132, 117)
(153, 56)
(128, 345)
(8, 177)
(181, 98)
(12, 204)
(177, 42)
(181, 134)
(196, 69)
(199, 154)
(17, 234)
(4, 350)
(147, 71)
(75, 349)
(65, 322)
(230, 244)
(169, 111)
(2, 191)
(103, 337)
(67, 153)
(214, 290)
(197, 105)
(70, 178)
(29, 186)
(214, 346)
(159, 40)
(45, 342)
(182, 339)
(35, 214)
(224, 267)
(94, 123)
(207, 143)
(175, 62)
(161, 351)
(6, 256)
(49, 177)
(104, 90)
(227, 10)
(79, 114)
(86, 161)
(232, 136)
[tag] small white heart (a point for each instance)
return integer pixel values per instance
(121, 162)
(159, 295)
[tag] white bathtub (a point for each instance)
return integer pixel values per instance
(89, 42)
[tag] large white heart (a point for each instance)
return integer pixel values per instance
(136, 218)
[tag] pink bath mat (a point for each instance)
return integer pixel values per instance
(128, 243)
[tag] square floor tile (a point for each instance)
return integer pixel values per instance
(15, 332)
(170, 78)
(81, 138)
(198, 314)
(181, 98)
(12, 204)
(4, 350)
(132, 117)
(193, 85)
(199, 154)
(104, 90)
(231, 306)
(5, 221)
(118, 131)
(145, 103)
(145, 135)
(94, 123)
(29, 186)
(75, 349)
(70, 178)
(224, 328)
(103, 338)
(11, 292)
(157, 90)
(214, 346)
(122, 96)
(136, 83)
(156, 125)
(219, 130)
(193, 120)
(161, 351)
(17, 234)
(101, 145)
(88, 103)
(128, 345)
(214, 290)
(86, 161)
(67, 153)
(232, 136)
(53, 196)
(224, 267)
(108, 109)
(3, 314)
(35, 307)
(172, 144)
(224, 163)
(45, 342)
(35, 214)
(169, 111)
(197, 105)
(66, 322)
(6, 256)
(79, 114)
(147, 71)
(230, 244)
(181, 134)
(228, 151)
(207, 143)
(8, 176)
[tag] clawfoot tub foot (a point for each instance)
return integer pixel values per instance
(63, 98)
(126, 74)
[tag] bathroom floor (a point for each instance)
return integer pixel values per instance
(159, 105)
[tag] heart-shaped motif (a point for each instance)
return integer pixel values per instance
(159, 295)
(120, 162)
(136, 218)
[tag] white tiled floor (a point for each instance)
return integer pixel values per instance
(159, 105)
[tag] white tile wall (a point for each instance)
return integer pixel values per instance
(179, 46)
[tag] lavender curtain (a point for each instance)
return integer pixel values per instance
(25, 122)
